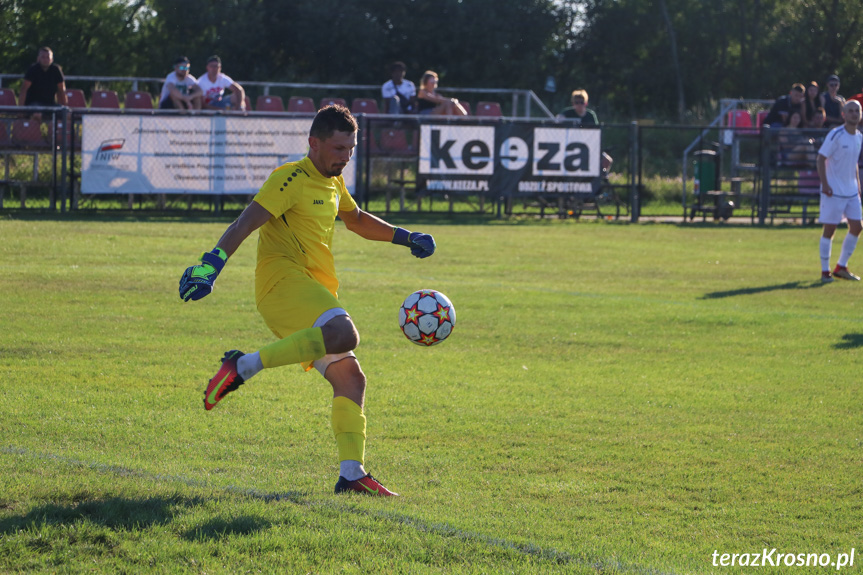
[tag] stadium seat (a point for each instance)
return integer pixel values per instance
(7, 97)
(396, 141)
(28, 133)
(740, 119)
(488, 109)
(138, 100)
(75, 98)
(333, 102)
(105, 99)
(269, 104)
(301, 104)
(364, 106)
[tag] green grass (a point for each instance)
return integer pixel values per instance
(614, 399)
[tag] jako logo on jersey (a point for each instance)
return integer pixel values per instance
(318, 202)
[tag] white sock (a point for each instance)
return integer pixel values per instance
(826, 246)
(249, 365)
(351, 470)
(848, 246)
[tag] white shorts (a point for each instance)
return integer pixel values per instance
(833, 208)
(323, 363)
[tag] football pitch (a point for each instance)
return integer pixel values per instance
(614, 398)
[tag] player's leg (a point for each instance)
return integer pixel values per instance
(349, 425)
(853, 213)
(830, 216)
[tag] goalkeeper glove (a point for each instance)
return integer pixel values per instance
(197, 281)
(421, 245)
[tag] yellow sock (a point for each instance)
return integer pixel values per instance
(349, 427)
(303, 346)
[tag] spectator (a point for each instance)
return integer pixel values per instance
(812, 102)
(181, 90)
(796, 147)
(429, 102)
(819, 118)
(833, 103)
(840, 191)
(784, 106)
(579, 113)
(44, 84)
(213, 85)
(399, 94)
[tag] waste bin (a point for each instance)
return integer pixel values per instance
(706, 171)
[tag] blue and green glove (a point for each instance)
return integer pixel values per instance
(421, 245)
(197, 281)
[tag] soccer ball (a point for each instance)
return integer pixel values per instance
(427, 317)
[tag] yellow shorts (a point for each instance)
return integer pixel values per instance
(298, 302)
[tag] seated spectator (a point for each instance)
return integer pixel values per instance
(786, 105)
(818, 119)
(44, 84)
(833, 103)
(429, 102)
(213, 85)
(795, 146)
(579, 113)
(181, 90)
(399, 94)
(812, 101)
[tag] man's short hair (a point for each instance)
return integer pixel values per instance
(46, 49)
(579, 93)
(214, 59)
(330, 119)
(798, 88)
(181, 60)
(397, 65)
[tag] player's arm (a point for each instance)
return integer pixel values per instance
(198, 280)
(821, 163)
(371, 227)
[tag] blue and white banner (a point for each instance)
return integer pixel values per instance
(145, 154)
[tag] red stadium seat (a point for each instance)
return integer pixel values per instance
(269, 104)
(488, 109)
(138, 101)
(75, 98)
(301, 104)
(395, 141)
(7, 97)
(333, 102)
(105, 99)
(740, 119)
(28, 133)
(364, 106)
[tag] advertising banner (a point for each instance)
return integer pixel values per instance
(189, 155)
(509, 158)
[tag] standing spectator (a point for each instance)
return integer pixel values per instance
(429, 102)
(840, 191)
(44, 84)
(579, 113)
(833, 103)
(399, 94)
(786, 105)
(812, 103)
(213, 85)
(181, 90)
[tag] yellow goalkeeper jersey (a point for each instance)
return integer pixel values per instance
(299, 236)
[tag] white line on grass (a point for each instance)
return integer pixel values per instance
(443, 529)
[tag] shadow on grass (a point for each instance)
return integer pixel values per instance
(130, 514)
(850, 341)
(219, 528)
(761, 289)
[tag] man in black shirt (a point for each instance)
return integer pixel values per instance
(44, 84)
(785, 106)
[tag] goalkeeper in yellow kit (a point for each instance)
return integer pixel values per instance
(296, 284)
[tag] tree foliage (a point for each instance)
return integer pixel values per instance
(636, 58)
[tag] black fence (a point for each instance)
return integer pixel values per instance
(492, 166)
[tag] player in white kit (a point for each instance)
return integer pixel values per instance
(840, 190)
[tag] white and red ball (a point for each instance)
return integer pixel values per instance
(427, 317)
